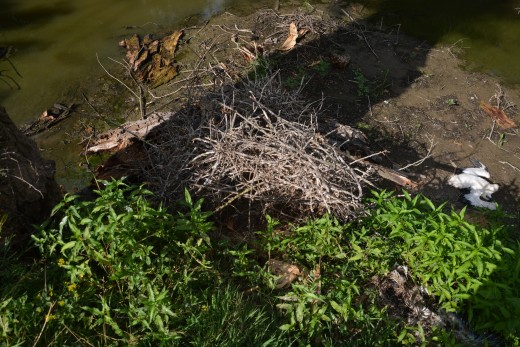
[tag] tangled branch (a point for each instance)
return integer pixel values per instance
(265, 156)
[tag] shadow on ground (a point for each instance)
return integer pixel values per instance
(414, 102)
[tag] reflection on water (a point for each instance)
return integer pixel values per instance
(55, 42)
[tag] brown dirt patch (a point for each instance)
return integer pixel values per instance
(406, 94)
(402, 92)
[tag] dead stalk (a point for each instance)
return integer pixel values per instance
(511, 165)
(45, 320)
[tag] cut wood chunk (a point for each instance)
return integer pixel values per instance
(290, 42)
(394, 176)
(498, 115)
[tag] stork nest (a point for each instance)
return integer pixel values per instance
(273, 157)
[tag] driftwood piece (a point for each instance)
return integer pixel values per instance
(394, 176)
(351, 140)
(382, 171)
(152, 61)
(49, 118)
(126, 134)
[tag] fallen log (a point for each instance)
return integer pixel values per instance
(127, 133)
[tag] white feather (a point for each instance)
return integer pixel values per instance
(465, 180)
(488, 190)
(477, 171)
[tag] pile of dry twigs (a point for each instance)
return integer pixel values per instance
(258, 143)
(245, 140)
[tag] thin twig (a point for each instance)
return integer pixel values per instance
(511, 165)
(115, 78)
(364, 37)
(368, 156)
(79, 338)
(29, 184)
(420, 161)
(46, 319)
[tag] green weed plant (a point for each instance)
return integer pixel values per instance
(120, 271)
(371, 88)
(468, 269)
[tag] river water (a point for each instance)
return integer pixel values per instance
(55, 42)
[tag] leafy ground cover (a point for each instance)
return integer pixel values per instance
(119, 271)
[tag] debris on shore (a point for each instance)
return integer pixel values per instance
(49, 118)
(153, 61)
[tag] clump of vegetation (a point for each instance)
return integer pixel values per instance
(119, 271)
(371, 88)
(322, 67)
(297, 79)
(455, 263)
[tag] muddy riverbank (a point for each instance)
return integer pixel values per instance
(54, 43)
(415, 103)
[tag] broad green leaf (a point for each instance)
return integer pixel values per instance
(299, 312)
(68, 245)
(462, 296)
(286, 327)
(312, 296)
(338, 308)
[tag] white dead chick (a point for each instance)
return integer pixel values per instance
(475, 180)
(477, 171)
(474, 199)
